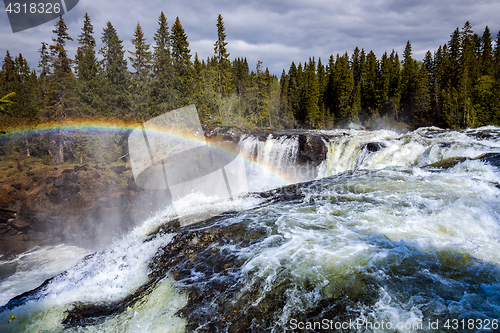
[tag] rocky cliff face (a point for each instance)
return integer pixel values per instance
(81, 204)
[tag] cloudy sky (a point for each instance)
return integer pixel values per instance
(274, 31)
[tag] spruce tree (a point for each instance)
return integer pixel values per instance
(322, 82)
(486, 58)
(162, 95)
(182, 80)
(344, 87)
(28, 101)
(311, 95)
(8, 83)
(468, 73)
(222, 59)
(409, 78)
(44, 66)
(369, 100)
(141, 58)
(115, 95)
(383, 84)
(87, 71)
(59, 84)
(141, 61)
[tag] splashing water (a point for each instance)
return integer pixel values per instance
(389, 232)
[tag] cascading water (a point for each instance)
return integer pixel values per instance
(272, 156)
(397, 233)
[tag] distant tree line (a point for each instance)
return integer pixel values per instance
(456, 86)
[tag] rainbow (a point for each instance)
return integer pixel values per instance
(100, 127)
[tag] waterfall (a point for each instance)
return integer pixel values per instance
(273, 161)
(401, 229)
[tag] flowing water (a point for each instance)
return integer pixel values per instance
(396, 233)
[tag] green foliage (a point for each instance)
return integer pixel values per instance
(115, 99)
(87, 69)
(5, 100)
(458, 85)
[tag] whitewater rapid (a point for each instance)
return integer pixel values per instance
(389, 235)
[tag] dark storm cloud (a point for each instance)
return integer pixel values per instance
(276, 32)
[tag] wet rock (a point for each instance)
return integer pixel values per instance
(20, 223)
(59, 182)
(312, 149)
(72, 177)
(445, 163)
(17, 186)
(232, 134)
(62, 193)
(491, 158)
(50, 180)
(80, 167)
(374, 146)
(119, 169)
(7, 214)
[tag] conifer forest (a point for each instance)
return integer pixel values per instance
(457, 85)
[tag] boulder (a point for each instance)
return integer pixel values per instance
(312, 149)
(17, 186)
(119, 169)
(374, 146)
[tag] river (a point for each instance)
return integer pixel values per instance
(390, 233)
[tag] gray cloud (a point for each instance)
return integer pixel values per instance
(276, 32)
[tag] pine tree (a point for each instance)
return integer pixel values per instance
(468, 73)
(87, 71)
(222, 59)
(182, 80)
(311, 95)
(369, 100)
(496, 84)
(141, 61)
(260, 96)
(28, 103)
(409, 78)
(8, 82)
(322, 82)
(486, 59)
(162, 95)
(344, 87)
(141, 58)
(60, 84)
(430, 62)
(115, 99)
(422, 93)
(44, 65)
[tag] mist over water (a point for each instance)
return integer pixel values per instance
(399, 228)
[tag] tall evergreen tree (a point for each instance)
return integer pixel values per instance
(369, 100)
(344, 87)
(311, 95)
(141, 61)
(222, 59)
(87, 71)
(8, 82)
(60, 84)
(141, 58)
(409, 75)
(486, 59)
(115, 96)
(468, 73)
(182, 80)
(162, 94)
